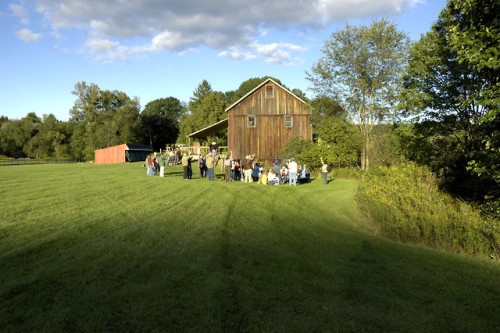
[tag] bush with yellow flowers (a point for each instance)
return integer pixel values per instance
(405, 203)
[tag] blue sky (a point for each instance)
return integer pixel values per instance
(153, 49)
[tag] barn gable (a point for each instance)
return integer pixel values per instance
(264, 119)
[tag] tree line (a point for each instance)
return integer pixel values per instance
(99, 119)
(102, 118)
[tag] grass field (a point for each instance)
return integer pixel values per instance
(106, 248)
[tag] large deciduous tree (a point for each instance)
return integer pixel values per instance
(102, 118)
(14, 134)
(160, 120)
(51, 140)
(473, 31)
(452, 84)
(362, 68)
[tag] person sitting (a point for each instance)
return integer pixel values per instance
(304, 174)
(272, 179)
(263, 178)
(284, 174)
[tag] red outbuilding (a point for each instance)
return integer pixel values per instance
(126, 152)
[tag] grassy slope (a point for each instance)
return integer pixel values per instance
(93, 248)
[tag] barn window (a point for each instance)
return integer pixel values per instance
(288, 121)
(270, 91)
(251, 121)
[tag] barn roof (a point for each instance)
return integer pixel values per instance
(260, 85)
(209, 130)
(135, 146)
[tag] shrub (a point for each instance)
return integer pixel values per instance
(405, 203)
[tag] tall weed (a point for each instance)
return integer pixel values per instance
(405, 203)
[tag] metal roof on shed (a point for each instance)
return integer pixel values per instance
(209, 130)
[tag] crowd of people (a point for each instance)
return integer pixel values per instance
(247, 170)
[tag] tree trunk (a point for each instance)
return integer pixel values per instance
(367, 153)
(365, 156)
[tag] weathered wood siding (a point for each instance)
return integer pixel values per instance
(269, 135)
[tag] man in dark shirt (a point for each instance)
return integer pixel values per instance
(276, 165)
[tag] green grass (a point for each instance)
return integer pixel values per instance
(107, 248)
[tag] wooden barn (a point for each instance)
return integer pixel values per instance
(263, 120)
(122, 153)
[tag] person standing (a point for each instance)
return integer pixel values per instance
(170, 157)
(213, 148)
(202, 165)
(276, 165)
(247, 169)
(227, 167)
(256, 172)
(210, 166)
(161, 163)
(176, 156)
(324, 171)
(156, 166)
(186, 163)
(148, 165)
(292, 172)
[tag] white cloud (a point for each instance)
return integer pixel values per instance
(157, 25)
(277, 53)
(236, 54)
(61, 49)
(170, 41)
(96, 45)
(345, 9)
(28, 36)
(20, 12)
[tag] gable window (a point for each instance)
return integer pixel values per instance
(270, 91)
(251, 121)
(288, 121)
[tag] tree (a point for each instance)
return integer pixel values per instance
(14, 134)
(338, 143)
(50, 140)
(473, 31)
(362, 68)
(245, 87)
(206, 107)
(102, 118)
(325, 107)
(451, 90)
(300, 94)
(160, 119)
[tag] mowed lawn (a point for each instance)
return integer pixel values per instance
(97, 248)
